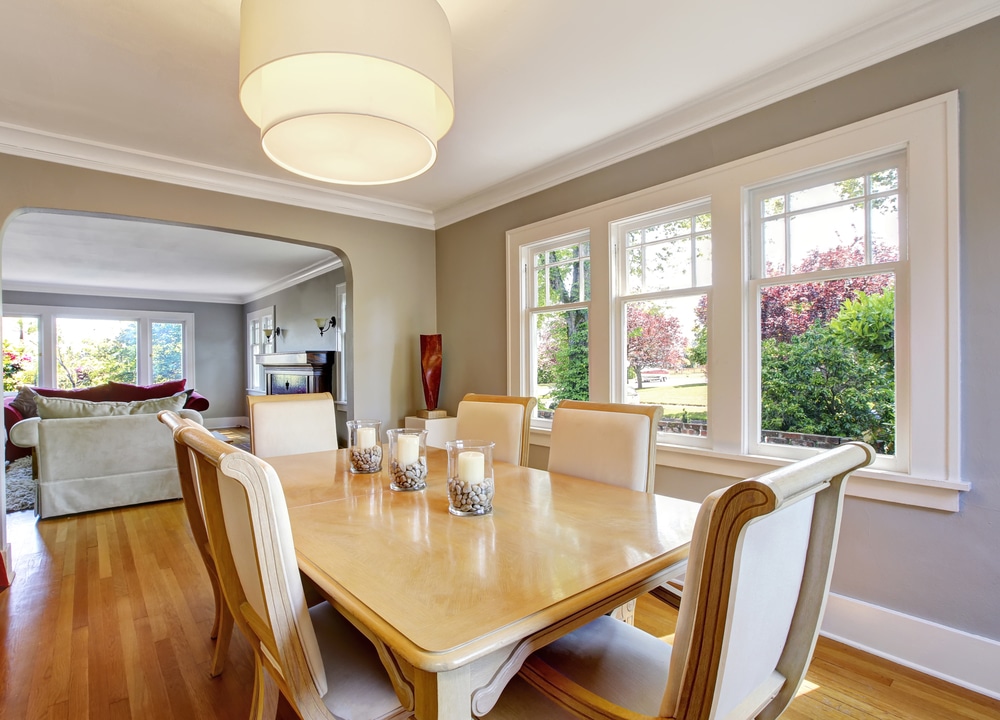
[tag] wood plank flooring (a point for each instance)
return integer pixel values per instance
(110, 612)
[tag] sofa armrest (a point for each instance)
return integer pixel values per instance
(25, 433)
(192, 415)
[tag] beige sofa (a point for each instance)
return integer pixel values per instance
(103, 461)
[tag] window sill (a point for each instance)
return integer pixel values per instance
(880, 485)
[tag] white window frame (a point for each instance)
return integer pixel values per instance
(531, 308)
(47, 314)
(619, 363)
(927, 339)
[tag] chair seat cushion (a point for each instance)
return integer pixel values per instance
(619, 662)
(357, 683)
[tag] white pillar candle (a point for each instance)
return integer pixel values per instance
(366, 437)
(407, 449)
(471, 466)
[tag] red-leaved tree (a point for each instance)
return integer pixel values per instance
(653, 339)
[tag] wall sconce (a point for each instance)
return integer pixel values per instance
(269, 331)
(323, 324)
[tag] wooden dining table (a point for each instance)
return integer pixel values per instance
(455, 604)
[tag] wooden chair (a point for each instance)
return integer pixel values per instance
(222, 628)
(504, 419)
(607, 442)
(325, 667)
(759, 572)
(292, 424)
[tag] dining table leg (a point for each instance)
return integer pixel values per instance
(444, 695)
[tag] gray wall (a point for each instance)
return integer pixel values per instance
(218, 362)
(944, 567)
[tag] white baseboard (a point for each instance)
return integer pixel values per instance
(215, 423)
(958, 657)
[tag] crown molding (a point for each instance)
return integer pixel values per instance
(38, 145)
(885, 37)
(314, 270)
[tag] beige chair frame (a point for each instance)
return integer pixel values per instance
(280, 658)
(222, 627)
(701, 638)
(527, 403)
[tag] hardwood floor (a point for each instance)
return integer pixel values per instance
(110, 612)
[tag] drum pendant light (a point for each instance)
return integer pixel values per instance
(356, 92)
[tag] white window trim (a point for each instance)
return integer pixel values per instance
(265, 313)
(929, 132)
(340, 302)
(47, 314)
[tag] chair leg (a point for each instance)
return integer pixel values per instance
(265, 693)
(625, 613)
(220, 605)
(224, 635)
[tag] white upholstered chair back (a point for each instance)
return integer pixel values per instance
(611, 443)
(251, 539)
(503, 419)
(758, 575)
(292, 424)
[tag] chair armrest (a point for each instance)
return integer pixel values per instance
(25, 433)
(192, 415)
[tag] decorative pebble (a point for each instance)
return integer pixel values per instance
(366, 460)
(465, 498)
(410, 477)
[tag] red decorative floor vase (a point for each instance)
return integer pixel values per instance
(430, 367)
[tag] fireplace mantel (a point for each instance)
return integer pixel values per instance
(307, 371)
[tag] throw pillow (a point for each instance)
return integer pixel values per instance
(24, 403)
(97, 393)
(126, 392)
(50, 408)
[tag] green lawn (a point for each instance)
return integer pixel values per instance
(676, 399)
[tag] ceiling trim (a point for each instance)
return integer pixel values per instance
(39, 145)
(882, 39)
(314, 270)
(885, 37)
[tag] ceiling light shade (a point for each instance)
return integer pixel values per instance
(348, 91)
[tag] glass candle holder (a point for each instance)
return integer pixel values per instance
(470, 477)
(407, 459)
(363, 443)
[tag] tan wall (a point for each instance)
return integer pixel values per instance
(938, 566)
(388, 309)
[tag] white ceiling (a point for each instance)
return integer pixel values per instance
(545, 90)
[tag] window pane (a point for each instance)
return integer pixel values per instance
(772, 206)
(20, 352)
(883, 180)
(666, 355)
(634, 261)
(668, 265)
(560, 358)
(677, 228)
(562, 275)
(703, 222)
(827, 239)
(703, 260)
(885, 228)
(828, 362)
(774, 248)
(93, 351)
(825, 194)
(167, 351)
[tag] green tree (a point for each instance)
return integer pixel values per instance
(868, 322)
(168, 351)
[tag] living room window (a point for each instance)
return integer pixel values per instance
(835, 257)
(83, 347)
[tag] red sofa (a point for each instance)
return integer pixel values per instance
(113, 391)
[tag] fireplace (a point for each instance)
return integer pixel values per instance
(289, 373)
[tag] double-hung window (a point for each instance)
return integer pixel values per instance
(826, 252)
(558, 274)
(664, 274)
